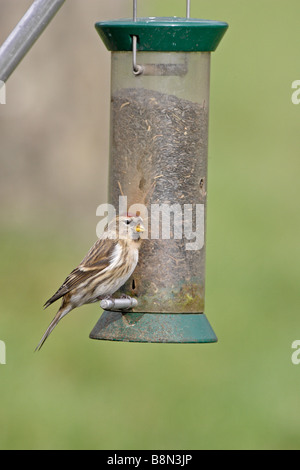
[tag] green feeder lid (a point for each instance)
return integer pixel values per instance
(162, 34)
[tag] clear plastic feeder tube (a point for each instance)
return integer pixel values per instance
(158, 160)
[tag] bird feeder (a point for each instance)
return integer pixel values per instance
(160, 74)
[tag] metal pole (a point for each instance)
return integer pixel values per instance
(25, 34)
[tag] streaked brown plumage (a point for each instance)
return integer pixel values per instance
(106, 267)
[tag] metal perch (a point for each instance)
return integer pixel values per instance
(118, 304)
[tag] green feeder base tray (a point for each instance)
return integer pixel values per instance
(154, 328)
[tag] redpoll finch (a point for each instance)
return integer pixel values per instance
(106, 267)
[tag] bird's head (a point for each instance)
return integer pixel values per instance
(128, 227)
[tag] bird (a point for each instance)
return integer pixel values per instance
(106, 267)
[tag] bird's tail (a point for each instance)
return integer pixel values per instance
(60, 314)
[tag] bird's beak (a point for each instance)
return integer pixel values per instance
(140, 228)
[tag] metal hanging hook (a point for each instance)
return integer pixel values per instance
(139, 69)
(188, 8)
(134, 10)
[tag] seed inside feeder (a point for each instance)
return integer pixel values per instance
(159, 156)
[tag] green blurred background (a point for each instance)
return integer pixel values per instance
(244, 391)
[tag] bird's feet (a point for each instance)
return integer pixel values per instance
(104, 297)
(125, 296)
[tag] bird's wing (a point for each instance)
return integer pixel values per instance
(98, 258)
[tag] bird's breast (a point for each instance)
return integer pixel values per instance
(118, 274)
